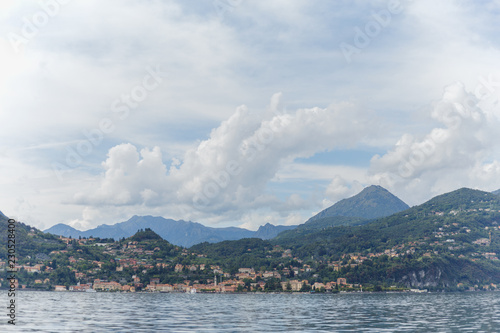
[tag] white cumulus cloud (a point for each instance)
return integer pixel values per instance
(229, 171)
(461, 151)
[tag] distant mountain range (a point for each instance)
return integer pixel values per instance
(182, 233)
(497, 192)
(372, 202)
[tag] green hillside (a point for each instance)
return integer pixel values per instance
(437, 236)
(29, 241)
(314, 227)
(469, 209)
(443, 243)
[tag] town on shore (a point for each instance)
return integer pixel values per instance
(244, 280)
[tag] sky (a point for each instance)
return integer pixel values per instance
(238, 112)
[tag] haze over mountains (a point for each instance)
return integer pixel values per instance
(372, 202)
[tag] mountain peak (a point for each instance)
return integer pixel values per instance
(268, 230)
(62, 229)
(146, 234)
(372, 189)
(372, 202)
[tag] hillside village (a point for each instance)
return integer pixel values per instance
(133, 257)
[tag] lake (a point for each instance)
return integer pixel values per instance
(353, 312)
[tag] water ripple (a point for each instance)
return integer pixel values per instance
(114, 312)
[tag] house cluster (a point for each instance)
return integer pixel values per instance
(246, 279)
(355, 259)
(133, 255)
(226, 286)
(98, 284)
(296, 285)
(30, 269)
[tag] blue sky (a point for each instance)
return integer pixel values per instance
(237, 112)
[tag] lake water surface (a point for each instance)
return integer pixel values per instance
(356, 312)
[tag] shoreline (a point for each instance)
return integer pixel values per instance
(265, 293)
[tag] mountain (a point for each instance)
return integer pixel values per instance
(65, 230)
(466, 207)
(373, 202)
(453, 232)
(497, 192)
(269, 230)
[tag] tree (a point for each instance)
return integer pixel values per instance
(247, 283)
(272, 284)
(305, 287)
